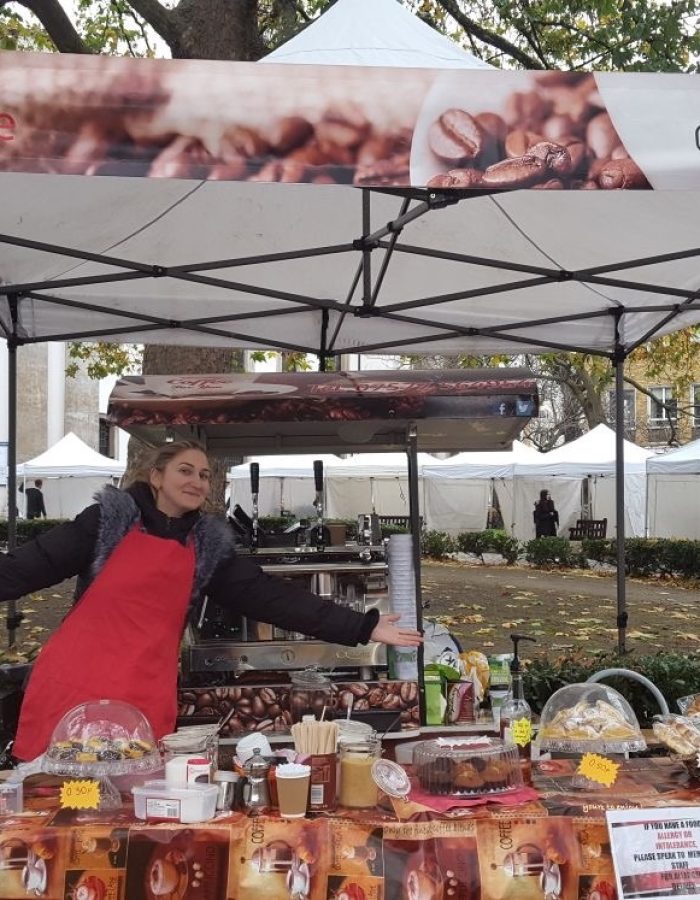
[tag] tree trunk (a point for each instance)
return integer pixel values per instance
(217, 29)
(179, 360)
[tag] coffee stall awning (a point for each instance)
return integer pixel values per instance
(344, 209)
(341, 412)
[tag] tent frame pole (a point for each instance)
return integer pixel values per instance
(13, 617)
(414, 518)
(619, 366)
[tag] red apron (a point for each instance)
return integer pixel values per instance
(120, 642)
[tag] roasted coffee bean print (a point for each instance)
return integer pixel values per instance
(556, 136)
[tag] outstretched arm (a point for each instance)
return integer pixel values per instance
(387, 631)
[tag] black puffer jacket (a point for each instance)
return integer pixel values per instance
(80, 548)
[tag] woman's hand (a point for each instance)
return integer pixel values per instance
(387, 632)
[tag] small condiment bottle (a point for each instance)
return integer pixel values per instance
(256, 792)
(358, 789)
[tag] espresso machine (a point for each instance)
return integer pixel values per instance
(349, 573)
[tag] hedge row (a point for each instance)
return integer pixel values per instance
(27, 529)
(679, 559)
(675, 558)
(674, 674)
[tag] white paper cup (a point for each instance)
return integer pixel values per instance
(293, 789)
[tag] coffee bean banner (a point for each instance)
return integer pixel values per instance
(269, 708)
(371, 127)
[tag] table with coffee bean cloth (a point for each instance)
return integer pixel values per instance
(558, 843)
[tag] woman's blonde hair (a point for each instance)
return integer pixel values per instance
(159, 457)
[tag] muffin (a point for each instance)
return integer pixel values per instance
(496, 775)
(468, 778)
(437, 777)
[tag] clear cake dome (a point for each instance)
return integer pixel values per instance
(589, 718)
(102, 737)
(460, 766)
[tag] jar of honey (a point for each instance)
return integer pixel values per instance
(357, 787)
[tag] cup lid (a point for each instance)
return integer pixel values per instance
(391, 778)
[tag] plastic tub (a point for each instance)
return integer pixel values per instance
(158, 801)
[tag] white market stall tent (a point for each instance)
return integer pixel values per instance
(582, 467)
(455, 493)
(370, 482)
(348, 251)
(673, 493)
(459, 491)
(72, 472)
(286, 484)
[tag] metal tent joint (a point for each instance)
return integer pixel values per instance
(440, 201)
(365, 243)
(565, 275)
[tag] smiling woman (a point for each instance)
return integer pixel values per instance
(180, 478)
(146, 556)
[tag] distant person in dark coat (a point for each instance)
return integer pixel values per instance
(35, 501)
(546, 517)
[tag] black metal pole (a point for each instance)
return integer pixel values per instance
(11, 620)
(414, 518)
(619, 365)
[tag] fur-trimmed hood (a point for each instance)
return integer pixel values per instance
(120, 510)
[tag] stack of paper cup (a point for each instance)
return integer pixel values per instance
(403, 661)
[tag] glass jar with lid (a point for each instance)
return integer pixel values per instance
(311, 692)
(358, 789)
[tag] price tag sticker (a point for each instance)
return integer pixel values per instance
(521, 731)
(84, 794)
(599, 769)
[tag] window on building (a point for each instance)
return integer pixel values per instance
(695, 402)
(105, 438)
(662, 405)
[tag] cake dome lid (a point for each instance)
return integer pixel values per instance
(589, 717)
(102, 737)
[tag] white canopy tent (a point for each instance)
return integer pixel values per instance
(567, 472)
(455, 493)
(459, 491)
(327, 268)
(372, 482)
(286, 484)
(673, 486)
(373, 33)
(72, 473)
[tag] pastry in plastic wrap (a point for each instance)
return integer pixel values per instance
(589, 718)
(690, 705)
(679, 733)
(477, 662)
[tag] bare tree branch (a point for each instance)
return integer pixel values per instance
(489, 37)
(57, 24)
(160, 19)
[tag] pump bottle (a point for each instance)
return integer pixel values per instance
(516, 715)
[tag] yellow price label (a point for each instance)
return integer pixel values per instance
(599, 769)
(521, 730)
(84, 794)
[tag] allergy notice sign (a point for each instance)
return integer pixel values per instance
(656, 852)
